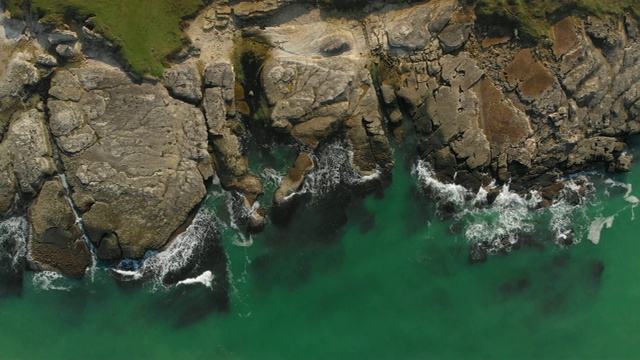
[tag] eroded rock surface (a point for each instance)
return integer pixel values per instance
(132, 155)
(136, 154)
(57, 242)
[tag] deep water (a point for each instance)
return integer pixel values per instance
(375, 278)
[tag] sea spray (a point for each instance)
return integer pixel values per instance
(183, 252)
(50, 280)
(14, 233)
(333, 167)
(601, 222)
(501, 225)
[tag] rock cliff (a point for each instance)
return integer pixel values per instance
(136, 151)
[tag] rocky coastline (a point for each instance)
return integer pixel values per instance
(107, 165)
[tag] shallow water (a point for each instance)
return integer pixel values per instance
(381, 277)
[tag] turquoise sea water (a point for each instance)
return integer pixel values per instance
(377, 278)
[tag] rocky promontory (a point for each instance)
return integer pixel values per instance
(111, 163)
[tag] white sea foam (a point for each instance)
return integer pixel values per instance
(128, 274)
(206, 279)
(271, 177)
(50, 280)
(333, 166)
(506, 218)
(16, 230)
(181, 251)
(595, 229)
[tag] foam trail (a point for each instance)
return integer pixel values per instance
(80, 224)
(47, 280)
(595, 229)
(502, 223)
(206, 279)
(15, 230)
(181, 251)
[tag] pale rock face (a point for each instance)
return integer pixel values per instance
(20, 73)
(127, 147)
(8, 181)
(30, 146)
(316, 84)
(56, 241)
(184, 82)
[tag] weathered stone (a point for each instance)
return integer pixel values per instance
(69, 51)
(58, 36)
(412, 29)
(454, 36)
(19, 74)
(57, 242)
(30, 146)
(184, 82)
(8, 181)
(219, 74)
(624, 163)
(148, 156)
(46, 60)
(294, 179)
(313, 99)
(313, 131)
(530, 77)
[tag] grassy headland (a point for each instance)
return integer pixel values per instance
(533, 17)
(147, 31)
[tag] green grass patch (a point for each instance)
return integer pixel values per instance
(147, 31)
(533, 17)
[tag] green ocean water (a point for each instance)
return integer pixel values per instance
(377, 278)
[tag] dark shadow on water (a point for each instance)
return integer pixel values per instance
(183, 305)
(308, 239)
(555, 285)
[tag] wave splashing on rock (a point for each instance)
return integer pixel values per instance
(496, 220)
(14, 232)
(333, 168)
(175, 264)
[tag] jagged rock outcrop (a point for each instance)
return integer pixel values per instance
(184, 82)
(494, 107)
(294, 179)
(225, 129)
(135, 158)
(8, 181)
(317, 88)
(136, 153)
(20, 72)
(57, 242)
(30, 149)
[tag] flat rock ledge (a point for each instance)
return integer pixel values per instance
(135, 158)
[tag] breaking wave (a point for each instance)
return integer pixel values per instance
(14, 233)
(182, 252)
(510, 217)
(50, 280)
(332, 168)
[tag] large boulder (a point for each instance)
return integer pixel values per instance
(57, 242)
(135, 157)
(20, 73)
(29, 144)
(8, 181)
(184, 82)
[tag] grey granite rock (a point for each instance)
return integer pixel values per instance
(127, 147)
